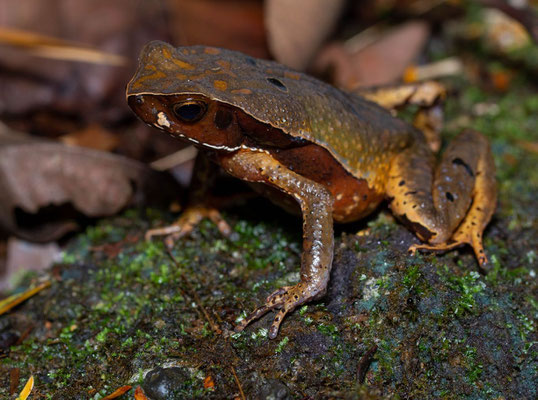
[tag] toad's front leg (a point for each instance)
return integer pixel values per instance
(318, 242)
(198, 207)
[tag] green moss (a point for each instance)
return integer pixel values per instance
(330, 330)
(282, 344)
(473, 367)
(468, 286)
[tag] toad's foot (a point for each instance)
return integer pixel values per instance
(442, 247)
(471, 228)
(286, 299)
(469, 232)
(191, 217)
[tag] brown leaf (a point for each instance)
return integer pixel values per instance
(16, 299)
(234, 24)
(209, 383)
(51, 47)
(118, 392)
(26, 256)
(38, 176)
(27, 389)
(531, 147)
(379, 59)
(94, 137)
(297, 28)
(14, 378)
(139, 394)
(83, 89)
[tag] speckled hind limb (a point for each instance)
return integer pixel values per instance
(452, 207)
(316, 206)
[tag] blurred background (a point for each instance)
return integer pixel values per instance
(69, 143)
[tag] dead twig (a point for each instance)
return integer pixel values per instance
(365, 362)
(55, 48)
(241, 393)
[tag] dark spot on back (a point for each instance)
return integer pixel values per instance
(449, 196)
(250, 61)
(223, 118)
(402, 182)
(459, 161)
(278, 84)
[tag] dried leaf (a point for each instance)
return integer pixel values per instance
(291, 34)
(25, 256)
(502, 33)
(51, 47)
(14, 378)
(234, 24)
(139, 394)
(79, 89)
(16, 299)
(69, 180)
(531, 147)
(118, 392)
(380, 58)
(421, 94)
(94, 137)
(27, 389)
(448, 66)
(209, 383)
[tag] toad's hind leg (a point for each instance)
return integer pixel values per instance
(451, 206)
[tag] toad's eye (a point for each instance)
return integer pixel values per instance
(190, 110)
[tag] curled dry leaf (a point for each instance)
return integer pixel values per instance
(139, 394)
(27, 389)
(16, 299)
(43, 176)
(297, 28)
(375, 56)
(26, 256)
(233, 24)
(57, 84)
(94, 136)
(118, 392)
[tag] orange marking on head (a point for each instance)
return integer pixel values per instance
(242, 91)
(181, 76)
(220, 85)
(182, 64)
(139, 82)
(166, 53)
(292, 75)
(212, 50)
(224, 64)
(226, 68)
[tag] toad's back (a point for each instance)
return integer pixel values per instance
(362, 136)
